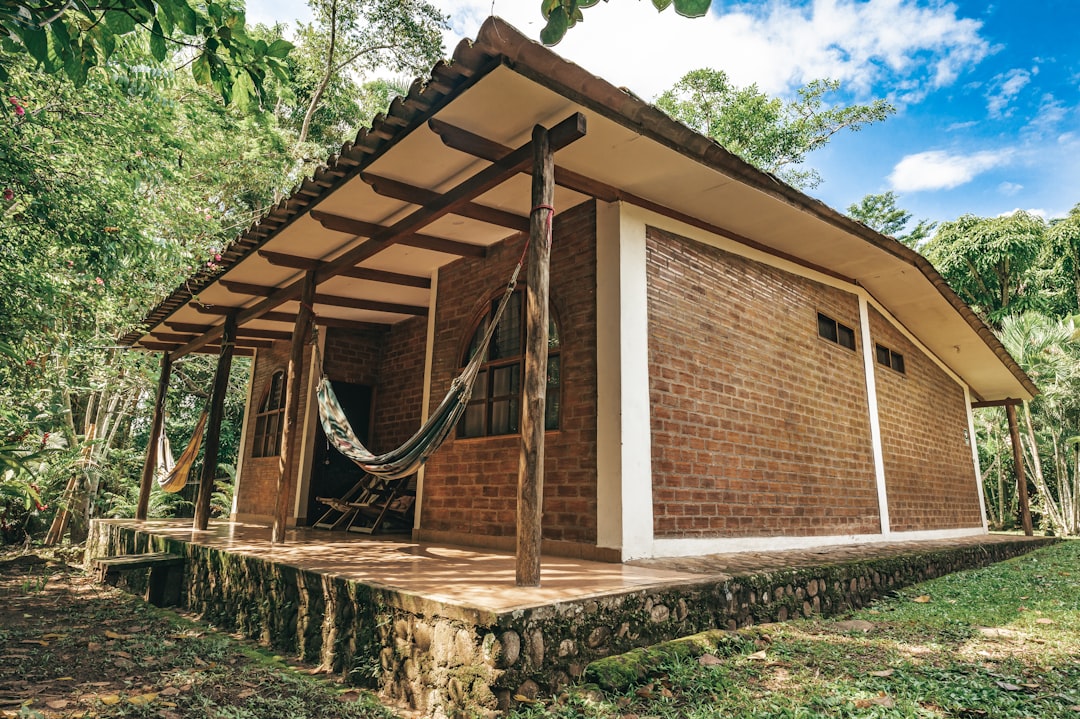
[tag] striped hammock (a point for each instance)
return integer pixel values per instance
(172, 475)
(409, 457)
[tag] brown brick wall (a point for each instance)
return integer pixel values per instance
(929, 474)
(470, 485)
(759, 426)
(399, 394)
(257, 490)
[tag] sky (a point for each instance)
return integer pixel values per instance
(987, 94)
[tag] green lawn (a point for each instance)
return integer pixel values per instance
(998, 642)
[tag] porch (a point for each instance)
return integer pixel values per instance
(445, 629)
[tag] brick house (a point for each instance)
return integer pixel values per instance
(734, 365)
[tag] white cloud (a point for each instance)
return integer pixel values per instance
(1037, 212)
(1009, 188)
(1050, 115)
(1006, 87)
(938, 170)
(778, 45)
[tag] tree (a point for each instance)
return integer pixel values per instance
(561, 15)
(352, 37)
(1062, 259)
(880, 212)
(773, 134)
(992, 262)
(73, 38)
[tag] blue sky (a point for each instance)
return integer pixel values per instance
(987, 95)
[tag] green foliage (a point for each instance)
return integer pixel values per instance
(73, 39)
(992, 262)
(880, 212)
(561, 15)
(773, 134)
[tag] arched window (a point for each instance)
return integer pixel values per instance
(495, 407)
(270, 420)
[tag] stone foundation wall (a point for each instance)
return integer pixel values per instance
(450, 661)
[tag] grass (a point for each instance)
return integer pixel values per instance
(1001, 642)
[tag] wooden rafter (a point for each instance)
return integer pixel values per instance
(241, 332)
(422, 196)
(290, 317)
(208, 349)
(470, 143)
(246, 288)
(340, 223)
(564, 133)
(282, 259)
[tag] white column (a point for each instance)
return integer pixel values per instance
(624, 434)
(975, 456)
(872, 405)
(425, 407)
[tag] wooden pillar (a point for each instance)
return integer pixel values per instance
(156, 428)
(213, 424)
(534, 394)
(1018, 462)
(290, 437)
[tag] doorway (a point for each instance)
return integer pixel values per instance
(334, 474)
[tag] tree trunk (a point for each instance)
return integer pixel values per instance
(1018, 459)
(213, 425)
(316, 97)
(156, 428)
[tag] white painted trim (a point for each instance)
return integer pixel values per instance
(911, 338)
(624, 432)
(242, 452)
(875, 419)
(425, 407)
(975, 457)
(697, 546)
(609, 495)
(307, 445)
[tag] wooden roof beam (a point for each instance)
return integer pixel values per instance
(282, 259)
(422, 196)
(470, 143)
(242, 332)
(204, 349)
(340, 223)
(290, 317)
(246, 288)
(564, 133)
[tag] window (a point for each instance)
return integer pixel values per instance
(833, 331)
(270, 420)
(887, 357)
(495, 406)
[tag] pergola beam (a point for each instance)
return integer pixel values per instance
(348, 225)
(290, 317)
(566, 132)
(470, 143)
(296, 262)
(241, 332)
(356, 303)
(208, 349)
(421, 196)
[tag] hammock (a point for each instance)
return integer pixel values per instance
(174, 478)
(409, 457)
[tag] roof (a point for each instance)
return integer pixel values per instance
(360, 212)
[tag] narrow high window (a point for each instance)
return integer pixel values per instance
(495, 407)
(270, 420)
(836, 332)
(889, 358)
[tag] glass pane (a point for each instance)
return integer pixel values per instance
(882, 355)
(504, 381)
(845, 336)
(475, 343)
(500, 416)
(480, 389)
(898, 362)
(554, 372)
(551, 409)
(553, 332)
(472, 424)
(507, 341)
(826, 327)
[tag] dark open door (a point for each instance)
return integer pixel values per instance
(334, 474)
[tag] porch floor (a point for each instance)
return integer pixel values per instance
(484, 579)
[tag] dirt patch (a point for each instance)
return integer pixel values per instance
(72, 648)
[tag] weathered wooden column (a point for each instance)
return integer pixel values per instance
(534, 390)
(290, 444)
(213, 424)
(1018, 461)
(156, 428)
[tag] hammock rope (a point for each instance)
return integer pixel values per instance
(410, 456)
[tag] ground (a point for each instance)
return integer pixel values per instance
(1001, 642)
(72, 648)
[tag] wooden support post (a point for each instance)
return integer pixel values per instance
(1018, 461)
(213, 425)
(290, 438)
(156, 428)
(534, 394)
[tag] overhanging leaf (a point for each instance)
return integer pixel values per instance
(157, 41)
(557, 25)
(692, 8)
